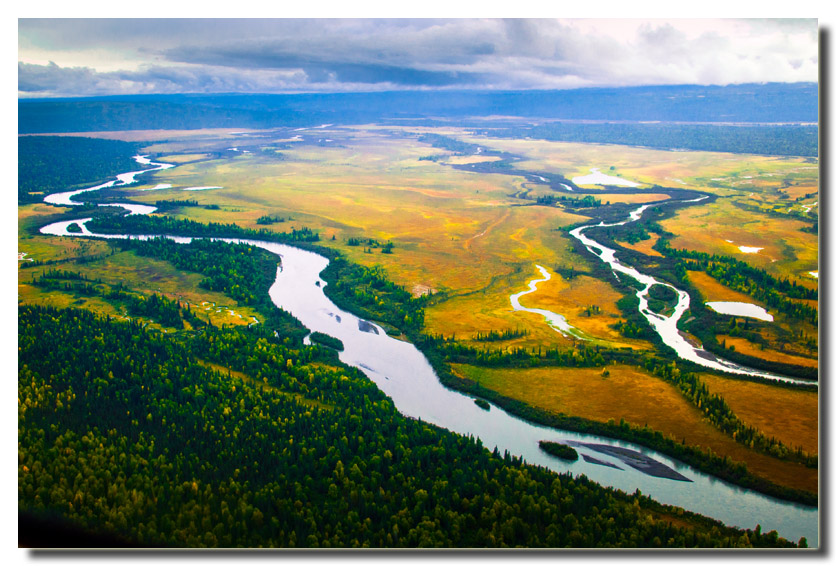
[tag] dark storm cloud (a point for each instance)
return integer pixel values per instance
(336, 43)
(48, 78)
(57, 81)
(143, 56)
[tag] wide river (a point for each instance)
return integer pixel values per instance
(402, 372)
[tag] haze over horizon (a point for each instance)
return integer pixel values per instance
(96, 57)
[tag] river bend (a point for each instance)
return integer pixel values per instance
(403, 373)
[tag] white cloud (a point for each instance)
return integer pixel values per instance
(97, 56)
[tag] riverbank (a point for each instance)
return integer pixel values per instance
(455, 410)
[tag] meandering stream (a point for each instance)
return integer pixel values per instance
(555, 320)
(666, 326)
(402, 372)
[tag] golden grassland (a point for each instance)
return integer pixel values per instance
(751, 349)
(644, 246)
(790, 415)
(142, 274)
(482, 311)
(637, 397)
(704, 170)
(45, 248)
(453, 231)
(32, 295)
(461, 233)
(713, 290)
(186, 158)
(720, 228)
(573, 299)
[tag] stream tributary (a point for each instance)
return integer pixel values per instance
(402, 372)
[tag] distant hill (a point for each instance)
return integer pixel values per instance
(750, 103)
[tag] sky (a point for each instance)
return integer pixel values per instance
(84, 57)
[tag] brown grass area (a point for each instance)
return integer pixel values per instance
(637, 397)
(453, 231)
(787, 252)
(720, 173)
(186, 157)
(750, 349)
(572, 297)
(644, 246)
(490, 309)
(30, 217)
(802, 189)
(148, 276)
(713, 290)
(790, 415)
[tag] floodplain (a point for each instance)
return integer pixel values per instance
(470, 239)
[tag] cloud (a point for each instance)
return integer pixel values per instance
(322, 55)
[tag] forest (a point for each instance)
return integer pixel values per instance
(757, 139)
(327, 461)
(754, 103)
(48, 164)
(172, 431)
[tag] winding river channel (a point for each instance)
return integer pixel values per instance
(402, 372)
(665, 326)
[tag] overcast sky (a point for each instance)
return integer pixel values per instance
(75, 57)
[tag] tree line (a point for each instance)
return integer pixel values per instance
(147, 224)
(760, 139)
(168, 452)
(51, 164)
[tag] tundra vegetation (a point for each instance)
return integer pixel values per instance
(428, 231)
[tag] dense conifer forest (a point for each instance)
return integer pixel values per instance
(48, 164)
(166, 451)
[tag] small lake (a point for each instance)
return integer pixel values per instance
(740, 309)
(403, 373)
(598, 178)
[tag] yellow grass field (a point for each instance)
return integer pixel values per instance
(454, 231)
(721, 173)
(463, 235)
(790, 415)
(637, 397)
(145, 275)
(751, 349)
(644, 246)
(720, 228)
(46, 248)
(459, 232)
(186, 158)
(713, 290)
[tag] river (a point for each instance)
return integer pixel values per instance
(403, 373)
(666, 326)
